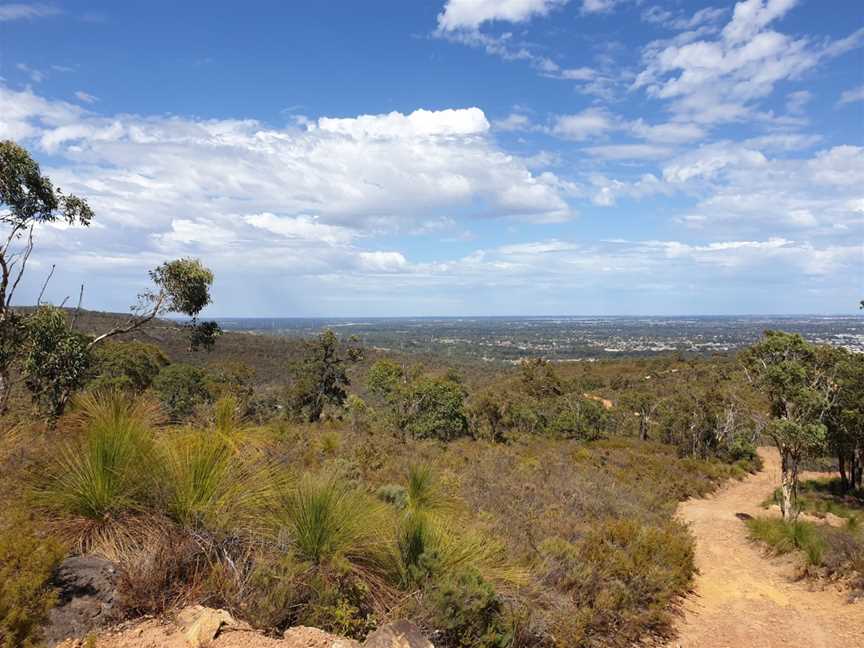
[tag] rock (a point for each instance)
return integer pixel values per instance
(86, 590)
(399, 634)
(315, 638)
(201, 625)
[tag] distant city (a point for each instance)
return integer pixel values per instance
(564, 338)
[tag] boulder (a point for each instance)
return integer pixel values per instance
(399, 634)
(201, 625)
(86, 591)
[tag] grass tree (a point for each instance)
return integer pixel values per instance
(797, 378)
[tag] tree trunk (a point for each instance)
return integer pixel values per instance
(5, 389)
(789, 486)
(841, 463)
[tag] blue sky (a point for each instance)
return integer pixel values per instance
(451, 157)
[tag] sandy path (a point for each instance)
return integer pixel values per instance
(743, 599)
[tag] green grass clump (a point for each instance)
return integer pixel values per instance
(107, 470)
(323, 519)
(785, 537)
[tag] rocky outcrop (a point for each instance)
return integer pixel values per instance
(86, 589)
(400, 634)
(201, 627)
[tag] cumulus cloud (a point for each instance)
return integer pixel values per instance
(591, 122)
(746, 188)
(307, 200)
(470, 14)
(721, 79)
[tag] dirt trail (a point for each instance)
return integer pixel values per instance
(743, 599)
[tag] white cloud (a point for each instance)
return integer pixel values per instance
(742, 188)
(796, 101)
(383, 261)
(598, 6)
(301, 227)
(26, 11)
(513, 122)
(591, 122)
(36, 75)
(668, 133)
(707, 161)
(420, 123)
(852, 95)
(629, 151)
(86, 97)
(470, 14)
(251, 199)
(660, 16)
(723, 79)
(751, 16)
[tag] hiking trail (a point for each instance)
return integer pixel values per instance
(744, 599)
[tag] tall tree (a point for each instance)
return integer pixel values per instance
(320, 378)
(28, 198)
(845, 419)
(181, 286)
(798, 380)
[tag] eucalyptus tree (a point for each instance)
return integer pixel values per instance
(798, 378)
(54, 356)
(27, 199)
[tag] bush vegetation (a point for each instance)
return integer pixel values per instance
(498, 507)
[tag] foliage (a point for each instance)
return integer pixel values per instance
(27, 198)
(420, 405)
(57, 360)
(434, 408)
(27, 563)
(783, 537)
(129, 366)
(181, 388)
(320, 378)
(581, 418)
(845, 419)
(797, 379)
(31, 197)
(469, 613)
(620, 578)
(106, 471)
(325, 519)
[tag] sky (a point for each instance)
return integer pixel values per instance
(449, 157)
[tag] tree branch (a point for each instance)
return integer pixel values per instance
(78, 308)
(45, 285)
(132, 324)
(24, 258)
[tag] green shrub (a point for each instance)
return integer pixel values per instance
(181, 388)
(125, 366)
(27, 563)
(435, 409)
(468, 612)
(622, 578)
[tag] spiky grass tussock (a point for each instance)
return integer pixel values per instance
(106, 471)
(783, 537)
(323, 519)
(210, 480)
(433, 538)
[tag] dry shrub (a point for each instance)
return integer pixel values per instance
(167, 571)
